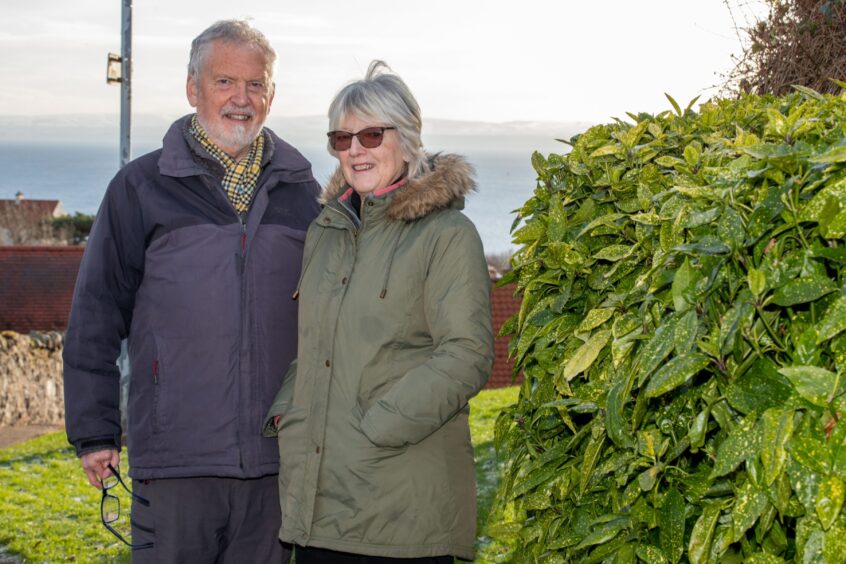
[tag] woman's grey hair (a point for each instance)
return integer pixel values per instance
(383, 96)
(236, 32)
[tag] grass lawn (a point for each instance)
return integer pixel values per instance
(484, 409)
(49, 513)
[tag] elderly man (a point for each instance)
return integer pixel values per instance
(193, 258)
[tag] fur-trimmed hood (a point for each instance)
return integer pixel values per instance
(449, 179)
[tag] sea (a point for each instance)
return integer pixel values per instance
(77, 174)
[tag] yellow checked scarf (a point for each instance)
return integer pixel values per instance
(241, 177)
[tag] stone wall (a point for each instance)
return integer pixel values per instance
(31, 388)
(31, 384)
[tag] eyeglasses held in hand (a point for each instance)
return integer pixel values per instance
(110, 506)
(369, 137)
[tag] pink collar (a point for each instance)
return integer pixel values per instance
(380, 192)
(394, 186)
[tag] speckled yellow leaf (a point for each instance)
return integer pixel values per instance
(830, 500)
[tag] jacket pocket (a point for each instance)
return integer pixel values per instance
(292, 442)
(159, 377)
(388, 449)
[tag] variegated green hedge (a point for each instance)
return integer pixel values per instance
(682, 336)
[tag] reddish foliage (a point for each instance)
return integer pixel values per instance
(800, 43)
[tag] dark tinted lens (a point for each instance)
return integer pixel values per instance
(371, 137)
(340, 140)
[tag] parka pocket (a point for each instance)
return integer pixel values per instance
(389, 451)
(292, 442)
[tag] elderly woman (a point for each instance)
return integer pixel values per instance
(394, 339)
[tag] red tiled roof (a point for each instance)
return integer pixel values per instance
(36, 286)
(503, 306)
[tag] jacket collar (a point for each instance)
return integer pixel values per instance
(179, 158)
(376, 193)
(449, 179)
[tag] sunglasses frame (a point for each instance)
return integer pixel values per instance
(333, 141)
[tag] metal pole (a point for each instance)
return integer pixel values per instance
(126, 82)
(125, 152)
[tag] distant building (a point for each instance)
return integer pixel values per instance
(28, 222)
(493, 272)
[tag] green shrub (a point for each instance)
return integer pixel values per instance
(682, 337)
(73, 228)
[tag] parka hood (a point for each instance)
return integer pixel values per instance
(449, 179)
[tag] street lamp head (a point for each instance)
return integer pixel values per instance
(114, 69)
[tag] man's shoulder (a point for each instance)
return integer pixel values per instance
(138, 169)
(146, 161)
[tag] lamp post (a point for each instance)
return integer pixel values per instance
(119, 70)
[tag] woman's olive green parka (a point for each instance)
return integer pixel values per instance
(394, 338)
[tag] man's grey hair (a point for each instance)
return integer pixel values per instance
(382, 96)
(236, 32)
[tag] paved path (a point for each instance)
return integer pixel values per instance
(6, 558)
(17, 434)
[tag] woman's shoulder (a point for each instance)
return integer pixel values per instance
(448, 218)
(449, 226)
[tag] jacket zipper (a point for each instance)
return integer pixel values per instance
(244, 314)
(241, 261)
(355, 229)
(241, 333)
(242, 258)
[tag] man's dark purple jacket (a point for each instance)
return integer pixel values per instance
(203, 297)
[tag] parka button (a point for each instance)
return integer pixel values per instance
(317, 450)
(370, 204)
(328, 364)
(344, 280)
(326, 220)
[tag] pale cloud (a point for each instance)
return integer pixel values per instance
(466, 60)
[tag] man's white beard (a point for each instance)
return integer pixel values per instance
(230, 134)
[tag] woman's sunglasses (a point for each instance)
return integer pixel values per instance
(370, 138)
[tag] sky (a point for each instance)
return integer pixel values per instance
(492, 61)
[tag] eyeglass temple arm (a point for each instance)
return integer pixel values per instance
(142, 500)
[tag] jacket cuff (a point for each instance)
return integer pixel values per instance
(269, 428)
(84, 446)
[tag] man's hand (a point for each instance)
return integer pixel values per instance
(96, 464)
